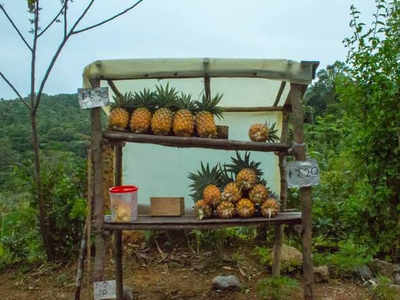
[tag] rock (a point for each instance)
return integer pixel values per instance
(383, 268)
(395, 287)
(230, 282)
(321, 274)
(363, 272)
(396, 278)
(291, 259)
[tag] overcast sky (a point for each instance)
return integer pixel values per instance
(292, 29)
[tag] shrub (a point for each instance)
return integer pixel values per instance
(276, 288)
(383, 290)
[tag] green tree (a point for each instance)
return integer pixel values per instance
(70, 28)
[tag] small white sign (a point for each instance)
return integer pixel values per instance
(302, 173)
(105, 290)
(90, 98)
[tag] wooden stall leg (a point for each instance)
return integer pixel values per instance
(118, 164)
(276, 263)
(118, 264)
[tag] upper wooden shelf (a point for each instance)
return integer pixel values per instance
(193, 142)
(191, 222)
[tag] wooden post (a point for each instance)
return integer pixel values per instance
(118, 264)
(297, 92)
(278, 240)
(98, 193)
(118, 164)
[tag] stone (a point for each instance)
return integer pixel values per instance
(395, 287)
(396, 278)
(363, 272)
(383, 268)
(291, 259)
(230, 282)
(321, 274)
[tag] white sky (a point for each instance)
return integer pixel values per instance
(292, 29)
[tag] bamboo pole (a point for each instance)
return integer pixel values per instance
(297, 92)
(278, 240)
(89, 220)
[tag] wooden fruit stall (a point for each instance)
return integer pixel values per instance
(293, 75)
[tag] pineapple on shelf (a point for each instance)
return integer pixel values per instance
(231, 192)
(207, 109)
(263, 133)
(166, 98)
(203, 210)
(270, 208)
(143, 103)
(226, 210)
(248, 172)
(118, 118)
(245, 208)
(206, 185)
(183, 123)
(258, 194)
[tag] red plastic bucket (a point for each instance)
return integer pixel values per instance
(124, 204)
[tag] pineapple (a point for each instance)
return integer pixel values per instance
(248, 172)
(231, 193)
(258, 194)
(245, 208)
(183, 124)
(226, 210)
(203, 210)
(263, 133)
(270, 208)
(207, 108)
(141, 116)
(206, 184)
(119, 115)
(161, 122)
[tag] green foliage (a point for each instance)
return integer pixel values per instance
(277, 288)
(384, 291)
(346, 260)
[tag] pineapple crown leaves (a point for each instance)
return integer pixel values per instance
(272, 132)
(123, 101)
(166, 96)
(184, 101)
(239, 163)
(210, 105)
(226, 176)
(144, 98)
(203, 177)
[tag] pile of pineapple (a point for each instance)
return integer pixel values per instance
(164, 111)
(235, 189)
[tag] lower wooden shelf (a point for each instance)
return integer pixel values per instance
(191, 222)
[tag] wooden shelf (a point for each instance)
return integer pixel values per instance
(193, 142)
(191, 222)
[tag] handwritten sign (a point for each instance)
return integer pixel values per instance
(105, 290)
(302, 173)
(90, 98)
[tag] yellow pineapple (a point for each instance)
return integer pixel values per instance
(118, 118)
(248, 172)
(205, 123)
(226, 210)
(231, 193)
(245, 208)
(263, 133)
(258, 194)
(141, 117)
(183, 124)
(270, 208)
(161, 122)
(202, 209)
(206, 185)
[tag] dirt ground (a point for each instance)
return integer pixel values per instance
(163, 272)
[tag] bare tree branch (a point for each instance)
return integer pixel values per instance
(65, 18)
(14, 89)
(52, 21)
(15, 27)
(109, 19)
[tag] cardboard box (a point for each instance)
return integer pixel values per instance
(167, 206)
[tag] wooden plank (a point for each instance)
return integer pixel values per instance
(194, 142)
(297, 92)
(279, 95)
(252, 109)
(118, 264)
(191, 222)
(96, 148)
